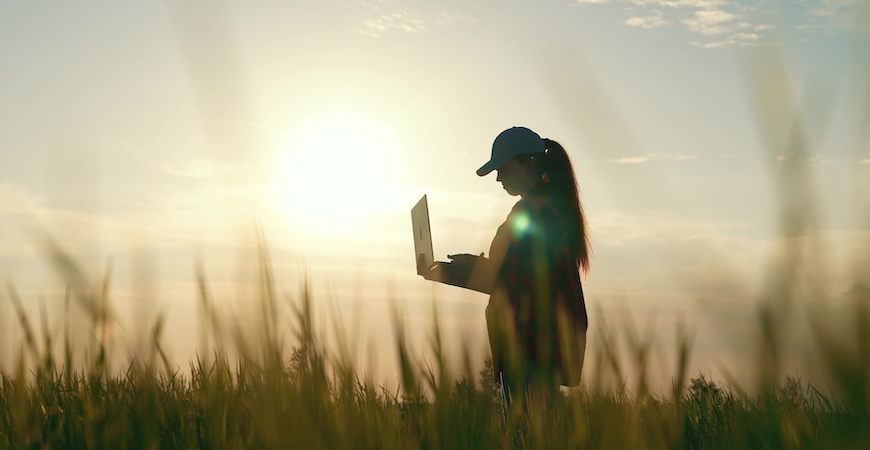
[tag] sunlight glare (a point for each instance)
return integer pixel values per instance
(336, 170)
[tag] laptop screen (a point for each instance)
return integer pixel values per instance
(422, 234)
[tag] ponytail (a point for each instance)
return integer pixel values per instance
(560, 182)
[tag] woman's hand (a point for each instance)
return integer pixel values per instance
(463, 270)
(465, 259)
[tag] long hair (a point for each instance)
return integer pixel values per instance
(560, 182)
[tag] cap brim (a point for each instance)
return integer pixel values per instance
(486, 169)
(489, 167)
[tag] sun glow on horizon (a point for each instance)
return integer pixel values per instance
(336, 170)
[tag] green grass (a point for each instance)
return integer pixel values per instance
(269, 397)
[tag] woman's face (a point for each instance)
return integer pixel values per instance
(517, 177)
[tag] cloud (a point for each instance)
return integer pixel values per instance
(632, 160)
(814, 160)
(709, 18)
(864, 161)
(832, 15)
(647, 22)
(710, 22)
(396, 21)
(747, 26)
(722, 23)
(647, 158)
(747, 36)
(819, 159)
(448, 18)
(833, 8)
(725, 43)
(700, 4)
(386, 16)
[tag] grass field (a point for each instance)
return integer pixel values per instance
(307, 397)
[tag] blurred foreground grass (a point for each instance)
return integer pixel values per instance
(269, 396)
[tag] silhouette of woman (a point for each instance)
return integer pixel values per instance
(536, 316)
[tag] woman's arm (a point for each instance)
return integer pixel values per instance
(475, 272)
(482, 275)
(465, 271)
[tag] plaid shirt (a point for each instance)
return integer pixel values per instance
(540, 280)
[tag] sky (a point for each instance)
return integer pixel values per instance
(152, 139)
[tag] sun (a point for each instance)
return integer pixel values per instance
(336, 170)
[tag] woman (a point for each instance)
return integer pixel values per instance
(536, 316)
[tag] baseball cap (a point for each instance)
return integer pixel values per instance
(509, 143)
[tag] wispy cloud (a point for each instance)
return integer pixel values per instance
(833, 8)
(736, 39)
(710, 22)
(647, 158)
(865, 161)
(395, 21)
(385, 16)
(450, 18)
(723, 23)
(654, 21)
(785, 156)
(748, 36)
(819, 159)
(682, 3)
(632, 160)
(828, 15)
(815, 160)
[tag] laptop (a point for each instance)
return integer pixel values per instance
(422, 236)
(455, 275)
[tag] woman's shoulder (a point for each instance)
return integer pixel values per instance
(536, 205)
(525, 209)
(537, 215)
(530, 216)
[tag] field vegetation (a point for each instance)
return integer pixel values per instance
(306, 396)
